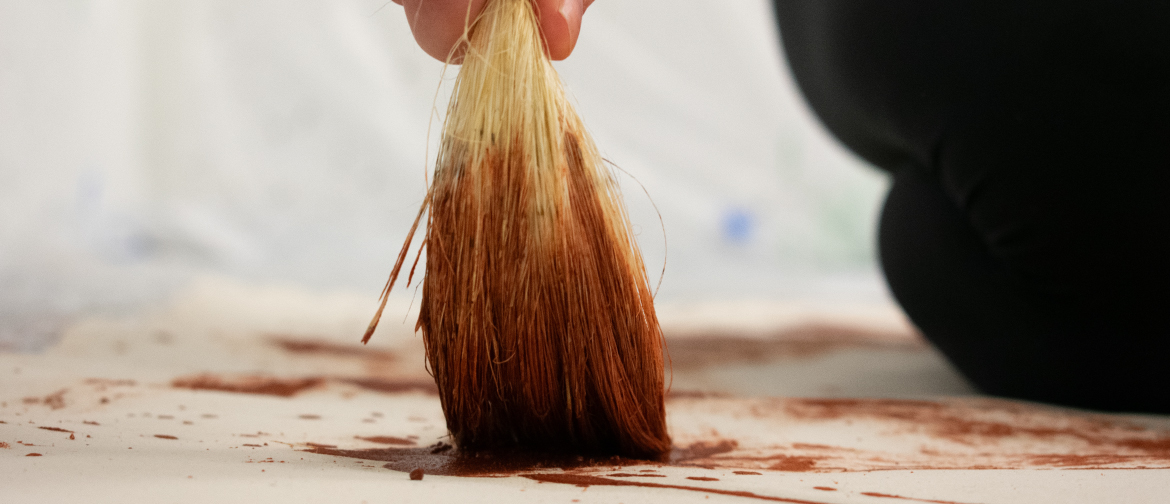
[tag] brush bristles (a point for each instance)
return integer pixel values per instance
(536, 313)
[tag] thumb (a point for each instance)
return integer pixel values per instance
(560, 23)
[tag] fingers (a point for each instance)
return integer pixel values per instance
(560, 23)
(438, 24)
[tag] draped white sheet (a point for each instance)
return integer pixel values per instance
(143, 142)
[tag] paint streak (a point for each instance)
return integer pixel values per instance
(55, 401)
(889, 496)
(55, 429)
(1067, 460)
(262, 385)
(673, 394)
(391, 386)
(979, 427)
(582, 480)
(959, 423)
(323, 347)
(633, 475)
(441, 459)
(289, 387)
(105, 382)
(165, 436)
(388, 440)
(793, 464)
(708, 349)
(444, 460)
(702, 450)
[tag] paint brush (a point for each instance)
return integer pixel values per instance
(536, 314)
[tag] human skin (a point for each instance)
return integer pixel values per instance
(438, 24)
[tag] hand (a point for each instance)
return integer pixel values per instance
(438, 24)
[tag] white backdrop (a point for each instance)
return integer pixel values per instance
(145, 142)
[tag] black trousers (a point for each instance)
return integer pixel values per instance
(1027, 231)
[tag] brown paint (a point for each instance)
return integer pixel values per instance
(56, 400)
(793, 464)
(4, 445)
(1066, 460)
(165, 436)
(1102, 441)
(87, 422)
(105, 382)
(324, 347)
(55, 429)
(889, 496)
(673, 394)
(827, 489)
(309, 417)
(417, 475)
(975, 426)
(635, 475)
(442, 459)
(702, 478)
(32, 455)
(707, 349)
(812, 446)
(747, 473)
(388, 440)
(702, 450)
(582, 480)
(288, 387)
(1158, 446)
(394, 386)
(265, 385)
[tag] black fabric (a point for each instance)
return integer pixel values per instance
(1027, 231)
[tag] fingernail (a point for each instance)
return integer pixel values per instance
(571, 9)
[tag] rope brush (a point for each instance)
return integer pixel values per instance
(536, 313)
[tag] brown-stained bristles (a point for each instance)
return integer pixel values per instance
(536, 312)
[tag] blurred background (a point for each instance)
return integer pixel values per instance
(144, 144)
